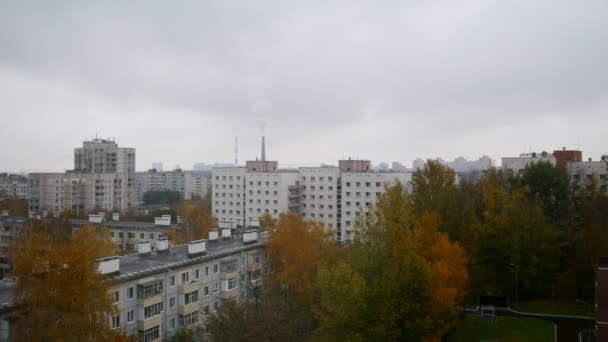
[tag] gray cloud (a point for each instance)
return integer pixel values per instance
(421, 77)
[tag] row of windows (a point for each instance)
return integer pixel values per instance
(312, 178)
(224, 195)
(321, 187)
(367, 194)
(259, 210)
(367, 184)
(259, 183)
(321, 206)
(259, 192)
(229, 177)
(153, 310)
(321, 215)
(132, 235)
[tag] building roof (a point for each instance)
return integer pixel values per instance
(124, 225)
(136, 266)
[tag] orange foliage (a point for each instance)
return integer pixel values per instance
(60, 296)
(297, 248)
(197, 220)
(449, 276)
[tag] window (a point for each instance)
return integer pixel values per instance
(191, 297)
(172, 280)
(141, 236)
(116, 322)
(171, 302)
(151, 236)
(206, 289)
(131, 235)
(116, 296)
(130, 316)
(347, 183)
(378, 184)
(215, 287)
(172, 324)
(149, 334)
(215, 266)
(153, 310)
(232, 284)
(186, 320)
(149, 289)
(185, 277)
(196, 274)
(206, 271)
(130, 292)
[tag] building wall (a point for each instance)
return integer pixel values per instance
(516, 165)
(564, 156)
(228, 193)
(359, 191)
(268, 192)
(212, 287)
(14, 185)
(320, 195)
(176, 180)
(584, 172)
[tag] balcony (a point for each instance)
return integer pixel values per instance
(149, 323)
(188, 287)
(254, 266)
(184, 309)
(230, 294)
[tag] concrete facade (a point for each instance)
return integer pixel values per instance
(103, 178)
(14, 185)
(154, 180)
(583, 172)
(516, 165)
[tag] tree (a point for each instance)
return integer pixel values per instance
(197, 220)
(296, 249)
(549, 186)
(60, 295)
(162, 197)
(434, 190)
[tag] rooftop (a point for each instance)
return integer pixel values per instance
(124, 225)
(136, 266)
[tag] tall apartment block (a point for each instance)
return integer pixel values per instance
(333, 196)
(154, 180)
(103, 177)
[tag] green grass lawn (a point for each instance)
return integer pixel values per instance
(472, 329)
(559, 308)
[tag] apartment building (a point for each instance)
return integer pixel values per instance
(320, 194)
(201, 183)
(127, 235)
(270, 193)
(103, 178)
(583, 172)
(158, 293)
(360, 189)
(154, 180)
(10, 227)
(516, 165)
(14, 185)
(334, 196)
(228, 196)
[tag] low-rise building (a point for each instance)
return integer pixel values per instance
(516, 165)
(583, 172)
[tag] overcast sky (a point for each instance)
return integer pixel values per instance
(380, 80)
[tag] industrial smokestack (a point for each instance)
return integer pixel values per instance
(263, 149)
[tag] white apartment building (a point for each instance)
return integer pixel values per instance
(228, 193)
(331, 195)
(269, 193)
(103, 178)
(584, 171)
(200, 184)
(360, 189)
(319, 194)
(516, 165)
(14, 185)
(153, 180)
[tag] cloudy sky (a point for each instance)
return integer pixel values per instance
(381, 80)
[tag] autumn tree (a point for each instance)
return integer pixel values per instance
(60, 295)
(197, 220)
(434, 189)
(296, 249)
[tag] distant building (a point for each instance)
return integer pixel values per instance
(14, 185)
(563, 157)
(333, 196)
(154, 180)
(103, 178)
(10, 227)
(583, 172)
(460, 164)
(200, 184)
(516, 165)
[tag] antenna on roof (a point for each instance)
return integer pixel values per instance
(236, 150)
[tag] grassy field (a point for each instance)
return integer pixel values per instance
(559, 308)
(472, 329)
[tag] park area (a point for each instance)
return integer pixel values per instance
(471, 329)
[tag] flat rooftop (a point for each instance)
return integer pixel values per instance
(124, 225)
(139, 265)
